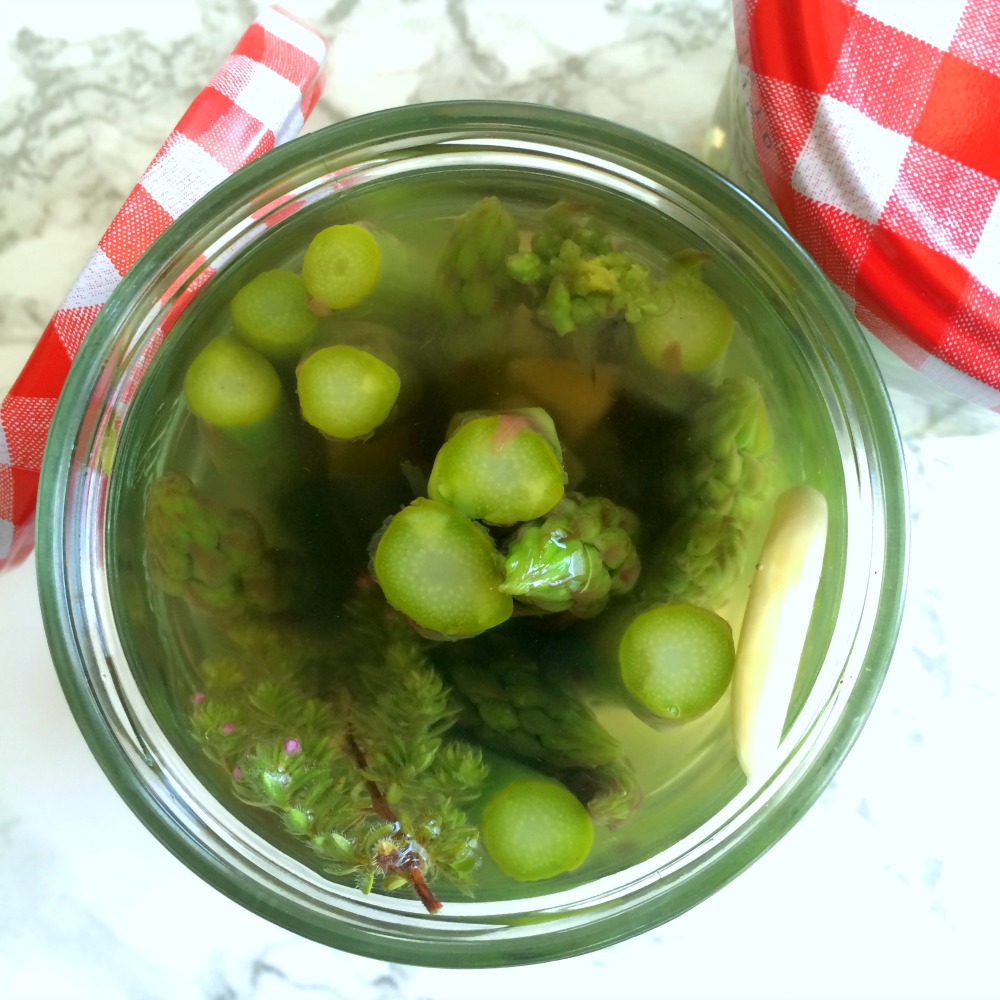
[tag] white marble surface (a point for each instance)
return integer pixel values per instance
(887, 888)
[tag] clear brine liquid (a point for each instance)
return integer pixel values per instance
(687, 771)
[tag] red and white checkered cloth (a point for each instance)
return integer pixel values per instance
(258, 99)
(876, 125)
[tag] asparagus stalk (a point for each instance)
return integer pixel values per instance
(341, 266)
(500, 468)
(441, 570)
(510, 705)
(574, 559)
(691, 327)
(271, 314)
(214, 558)
(345, 392)
(243, 414)
(578, 279)
(676, 660)
(717, 489)
(535, 829)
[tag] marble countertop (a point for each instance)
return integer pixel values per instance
(885, 889)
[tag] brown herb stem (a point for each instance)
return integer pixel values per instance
(400, 858)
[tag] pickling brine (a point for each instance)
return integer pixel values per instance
(450, 502)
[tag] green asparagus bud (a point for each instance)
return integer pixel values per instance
(472, 279)
(578, 278)
(212, 557)
(692, 327)
(510, 706)
(500, 468)
(718, 490)
(441, 570)
(512, 709)
(576, 558)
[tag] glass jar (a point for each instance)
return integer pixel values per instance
(729, 144)
(118, 660)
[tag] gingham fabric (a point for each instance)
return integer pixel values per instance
(259, 98)
(876, 125)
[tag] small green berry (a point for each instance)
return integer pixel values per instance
(677, 660)
(499, 468)
(346, 392)
(441, 570)
(271, 313)
(536, 829)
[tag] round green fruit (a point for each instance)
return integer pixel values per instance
(676, 660)
(536, 829)
(346, 392)
(441, 570)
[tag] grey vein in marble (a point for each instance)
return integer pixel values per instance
(61, 184)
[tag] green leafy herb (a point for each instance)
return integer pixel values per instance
(345, 737)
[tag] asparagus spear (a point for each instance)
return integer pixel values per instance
(718, 489)
(691, 327)
(344, 392)
(510, 705)
(500, 468)
(676, 660)
(271, 313)
(212, 557)
(242, 411)
(231, 385)
(535, 829)
(472, 280)
(577, 277)
(341, 266)
(575, 558)
(441, 570)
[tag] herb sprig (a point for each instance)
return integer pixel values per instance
(346, 738)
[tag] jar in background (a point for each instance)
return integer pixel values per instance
(866, 128)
